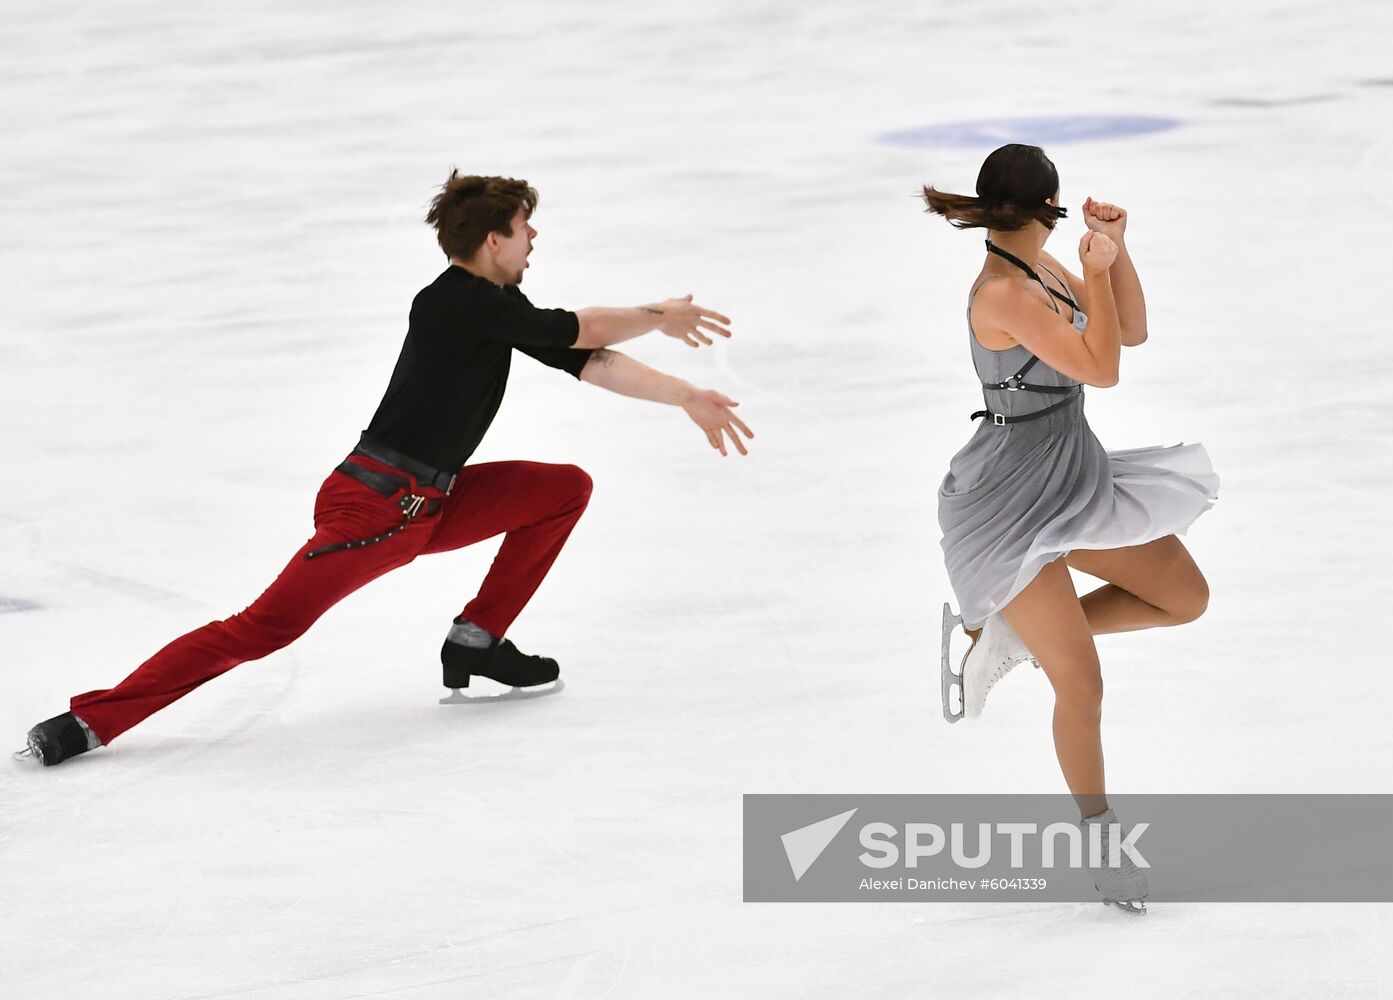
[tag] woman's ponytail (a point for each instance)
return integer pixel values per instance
(967, 212)
(1014, 188)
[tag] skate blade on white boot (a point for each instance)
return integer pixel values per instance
(457, 697)
(1136, 907)
(997, 651)
(948, 680)
(1124, 886)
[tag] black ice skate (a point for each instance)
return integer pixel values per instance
(55, 740)
(502, 662)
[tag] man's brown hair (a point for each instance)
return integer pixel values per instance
(468, 208)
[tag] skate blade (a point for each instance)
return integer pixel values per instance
(455, 696)
(1136, 907)
(947, 679)
(26, 754)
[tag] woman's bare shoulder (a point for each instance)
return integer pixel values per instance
(988, 298)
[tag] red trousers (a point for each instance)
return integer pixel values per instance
(537, 505)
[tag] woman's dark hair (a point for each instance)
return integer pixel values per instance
(468, 208)
(1013, 190)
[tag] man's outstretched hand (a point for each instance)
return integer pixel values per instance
(713, 413)
(685, 320)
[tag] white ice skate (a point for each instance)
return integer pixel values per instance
(997, 650)
(1125, 885)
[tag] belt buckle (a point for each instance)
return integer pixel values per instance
(450, 488)
(1013, 384)
(999, 419)
(411, 505)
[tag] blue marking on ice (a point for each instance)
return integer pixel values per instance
(8, 604)
(993, 132)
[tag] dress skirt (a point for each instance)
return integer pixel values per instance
(1019, 496)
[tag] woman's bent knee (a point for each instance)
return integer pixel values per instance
(1192, 603)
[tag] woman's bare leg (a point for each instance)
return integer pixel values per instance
(1148, 586)
(1050, 620)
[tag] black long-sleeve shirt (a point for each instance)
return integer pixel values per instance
(449, 380)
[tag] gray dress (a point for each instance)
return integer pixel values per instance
(1018, 496)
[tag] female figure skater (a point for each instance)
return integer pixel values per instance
(1033, 492)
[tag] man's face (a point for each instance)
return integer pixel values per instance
(510, 252)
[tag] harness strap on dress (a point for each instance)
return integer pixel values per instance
(1015, 383)
(1064, 285)
(1007, 255)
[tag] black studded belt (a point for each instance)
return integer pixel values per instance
(412, 504)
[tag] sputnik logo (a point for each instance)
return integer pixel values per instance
(806, 844)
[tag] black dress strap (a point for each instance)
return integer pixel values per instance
(1007, 255)
(1062, 284)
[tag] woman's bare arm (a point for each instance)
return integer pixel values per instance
(1131, 322)
(1091, 358)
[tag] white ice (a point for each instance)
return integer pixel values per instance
(211, 233)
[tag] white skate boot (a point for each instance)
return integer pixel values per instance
(997, 650)
(1123, 886)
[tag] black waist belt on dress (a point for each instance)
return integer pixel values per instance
(411, 503)
(1000, 419)
(1016, 383)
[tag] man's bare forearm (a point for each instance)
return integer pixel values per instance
(601, 326)
(621, 374)
(1127, 293)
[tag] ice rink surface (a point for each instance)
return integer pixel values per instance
(212, 232)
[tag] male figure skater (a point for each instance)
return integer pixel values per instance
(405, 490)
